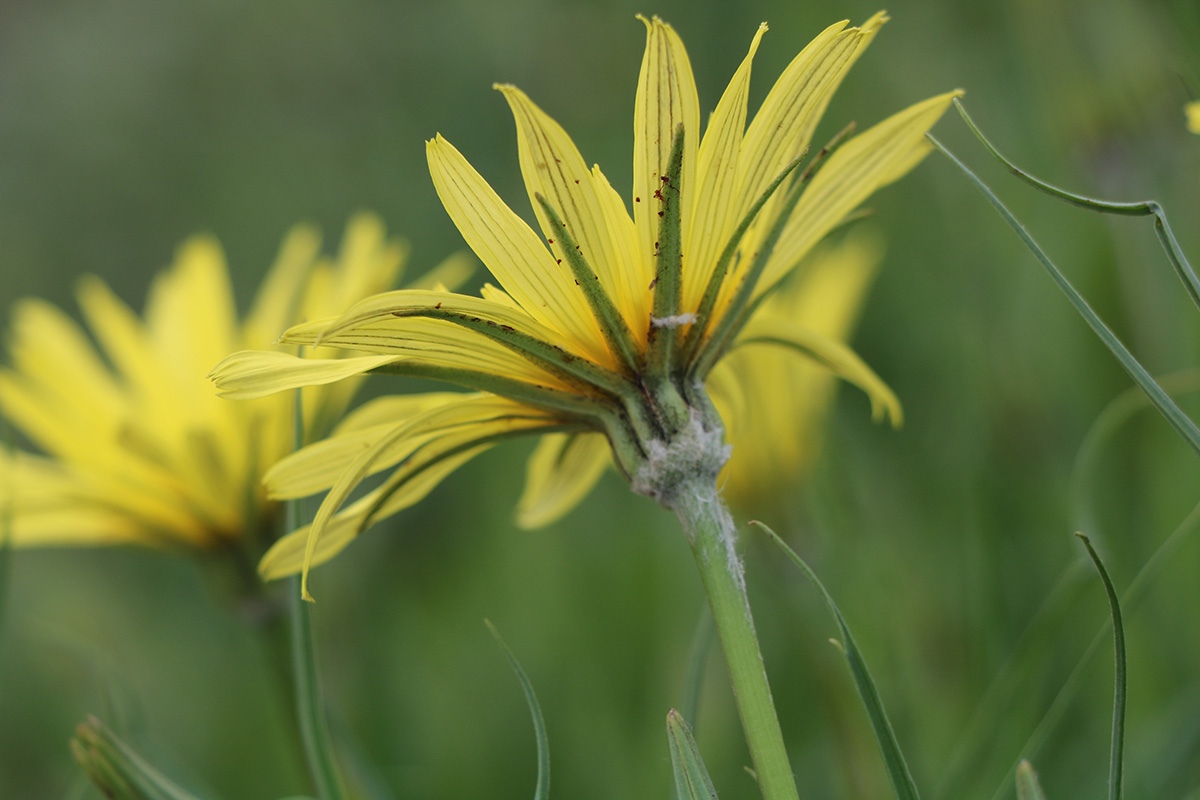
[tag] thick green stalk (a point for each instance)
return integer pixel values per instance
(711, 532)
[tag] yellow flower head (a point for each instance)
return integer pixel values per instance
(603, 328)
(138, 448)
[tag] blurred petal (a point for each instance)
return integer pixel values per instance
(561, 471)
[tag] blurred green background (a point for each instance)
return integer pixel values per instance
(125, 127)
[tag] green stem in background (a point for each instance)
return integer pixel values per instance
(712, 534)
(310, 710)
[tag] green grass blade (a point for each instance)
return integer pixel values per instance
(310, 706)
(542, 790)
(1161, 400)
(697, 659)
(691, 776)
(1134, 593)
(117, 769)
(1028, 787)
(1141, 208)
(897, 768)
(1117, 751)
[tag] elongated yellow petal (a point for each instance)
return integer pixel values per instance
(864, 164)
(317, 466)
(442, 432)
(784, 124)
(513, 252)
(286, 556)
(248, 374)
(367, 262)
(832, 354)
(634, 295)
(562, 471)
(717, 210)
(553, 168)
(666, 99)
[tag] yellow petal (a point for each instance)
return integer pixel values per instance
(367, 262)
(553, 168)
(256, 373)
(1192, 112)
(561, 471)
(513, 252)
(317, 467)
(286, 556)
(717, 210)
(785, 122)
(862, 165)
(420, 443)
(634, 296)
(666, 98)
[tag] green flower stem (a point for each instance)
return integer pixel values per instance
(314, 730)
(711, 532)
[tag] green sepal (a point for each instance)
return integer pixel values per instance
(542, 789)
(897, 768)
(691, 776)
(557, 401)
(713, 288)
(731, 322)
(663, 336)
(544, 354)
(612, 324)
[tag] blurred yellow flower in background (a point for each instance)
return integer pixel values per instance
(773, 403)
(604, 329)
(1192, 112)
(135, 445)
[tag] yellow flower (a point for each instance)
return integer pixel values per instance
(603, 330)
(773, 403)
(138, 448)
(1192, 112)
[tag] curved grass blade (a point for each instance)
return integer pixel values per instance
(1117, 751)
(1162, 401)
(117, 770)
(542, 789)
(691, 776)
(310, 707)
(902, 780)
(1141, 208)
(1133, 593)
(1028, 787)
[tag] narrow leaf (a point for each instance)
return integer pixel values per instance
(691, 777)
(1140, 208)
(1162, 401)
(902, 781)
(1120, 680)
(1028, 787)
(542, 789)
